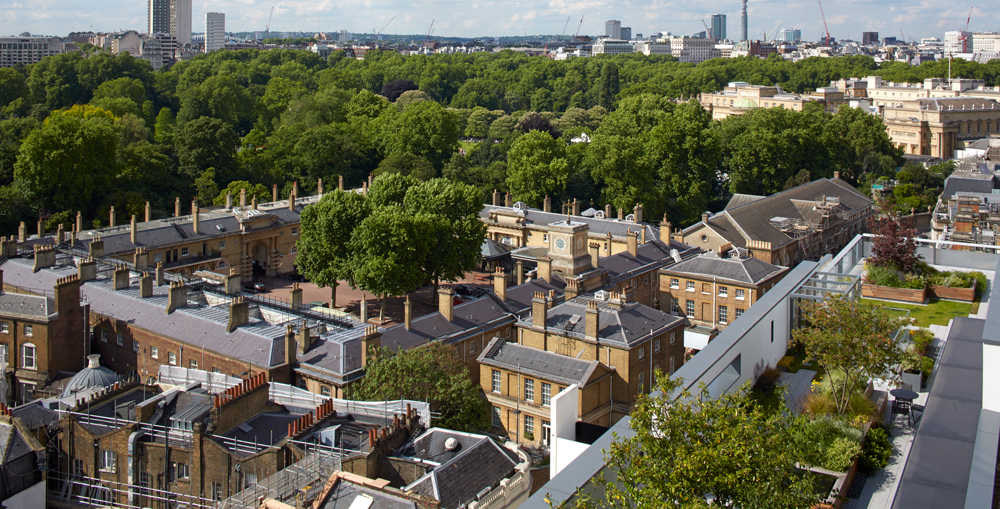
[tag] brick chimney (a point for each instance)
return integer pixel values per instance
(319, 187)
(704, 217)
(539, 310)
(177, 206)
(665, 227)
(371, 179)
(87, 270)
(67, 293)
(631, 242)
(8, 246)
(195, 217)
(519, 268)
(113, 217)
(233, 281)
(253, 203)
(79, 221)
(836, 174)
(340, 182)
(291, 202)
(500, 283)
(177, 298)
(595, 254)
(508, 200)
(446, 303)
(60, 234)
(576, 207)
(369, 343)
(295, 189)
(572, 288)
(239, 313)
(305, 339)
(149, 213)
(96, 248)
(243, 197)
(229, 200)
(637, 213)
(289, 345)
(607, 211)
(274, 192)
(497, 198)
(145, 285)
(592, 327)
(295, 295)
(408, 313)
(22, 233)
(642, 234)
(544, 270)
(547, 204)
(621, 214)
(45, 256)
(140, 258)
(41, 229)
(120, 277)
(159, 274)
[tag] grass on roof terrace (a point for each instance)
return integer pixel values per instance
(937, 312)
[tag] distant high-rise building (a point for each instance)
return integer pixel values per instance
(790, 35)
(985, 42)
(719, 27)
(869, 38)
(344, 36)
(743, 22)
(957, 41)
(170, 17)
(215, 31)
(626, 33)
(613, 29)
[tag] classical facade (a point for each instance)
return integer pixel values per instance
(740, 97)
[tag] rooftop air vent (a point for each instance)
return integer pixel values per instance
(451, 444)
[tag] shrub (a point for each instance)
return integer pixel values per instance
(861, 406)
(914, 282)
(981, 281)
(922, 339)
(840, 454)
(926, 366)
(767, 381)
(877, 450)
(882, 276)
(819, 404)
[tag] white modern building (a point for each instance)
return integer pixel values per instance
(28, 50)
(215, 31)
(985, 42)
(611, 47)
(613, 29)
(790, 35)
(692, 49)
(957, 41)
(652, 48)
(170, 17)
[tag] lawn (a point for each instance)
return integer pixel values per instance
(467, 145)
(937, 312)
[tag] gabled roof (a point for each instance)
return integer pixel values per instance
(744, 270)
(538, 363)
(627, 326)
(596, 226)
(741, 199)
(622, 265)
(969, 182)
(470, 318)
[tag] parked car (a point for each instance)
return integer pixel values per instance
(259, 287)
(464, 290)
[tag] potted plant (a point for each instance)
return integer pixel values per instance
(529, 436)
(911, 366)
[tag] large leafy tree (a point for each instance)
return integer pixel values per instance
(537, 167)
(688, 448)
(325, 255)
(427, 373)
(423, 128)
(207, 143)
(851, 341)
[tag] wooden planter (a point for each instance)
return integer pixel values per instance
(888, 293)
(962, 294)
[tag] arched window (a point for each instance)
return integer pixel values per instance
(293, 250)
(28, 360)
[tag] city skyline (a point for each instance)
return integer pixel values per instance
(914, 18)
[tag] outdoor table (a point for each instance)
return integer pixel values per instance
(908, 396)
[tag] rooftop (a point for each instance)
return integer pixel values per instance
(539, 363)
(746, 270)
(626, 325)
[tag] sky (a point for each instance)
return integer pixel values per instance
(478, 18)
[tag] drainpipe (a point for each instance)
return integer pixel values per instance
(714, 302)
(133, 465)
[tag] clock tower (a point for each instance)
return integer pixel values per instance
(568, 247)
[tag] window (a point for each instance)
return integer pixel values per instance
(690, 286)
(216, 370)
(120, 339)
(222, 244)
(673, 338)
(690, 309)
(154, 352)
(192, 364)
(108, 461)
(642, 353)
(183, 471)
(4, 328)
(157, 257)
(740, 293)
(28, 330)
(324, 390)
(28, 356)
(529, 389)
(723, 314)
(4, 354)
(723, 291)
(221, 265)
(675, 307)
(496, 380)
(293, 250)
(135, 346)
(642, 381)
(675, 283)
(295, 231)
(656, 345)
(671, 364)
(496, 416)
(104, 336)
(249, 479)
(217, 492)
(473, 345)
(171, 358)
(546, 394)
(739, 312)
(545, 237)
(184, 251)
(529, 425)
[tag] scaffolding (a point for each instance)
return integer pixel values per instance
(300, 481)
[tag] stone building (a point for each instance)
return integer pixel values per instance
(802, 223)
(740, 97)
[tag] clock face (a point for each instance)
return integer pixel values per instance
(560, 244)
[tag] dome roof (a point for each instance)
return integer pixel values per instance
(94, 375)
(745, 103)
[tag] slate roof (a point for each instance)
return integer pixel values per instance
(741, 199)
(622, 265)
(34, 415)
(744, 270)
(32, 307)
(519, 297)
(752, 220)
(968, 182)
(626, 326)
(337, 352)
(470, 318)
(538, 363)
(344, 493)
(598, 227)
(477, 464)
(197, 325)
(12, 444)
(492, 249)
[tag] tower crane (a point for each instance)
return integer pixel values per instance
(577, 34)
(377, 34)
(565, 27)
(707, 30)
(430, 29)
(774, 30)
(267, 29)
(963, 33)
(824, 23)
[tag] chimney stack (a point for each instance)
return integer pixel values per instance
(637, 213)
(113, 218)
(592, 326)
(274, 192)
(340, 183)
(508, 200)
(289, 345)
(547, 204)
(408, 313)
(229, 201)
(539, 310)
(704, 217)
(576, 207)
(631, 242)
(621, 214)
(371, 179)
(446, 303)
(87, 269)
(79, 222)
(239, 313)
(305, 339)
(295, 189)
(177, 297)
(253, 203)
(149, 213)
(120, 277)
(836, 174)
(497, 198)
(595, 254)
(177, 206)
(60, 234)
(96, 248)
(145, 285)
(642, 234)
(233, 281)
(22, 233)
(291, 202)
(371, 341)
(134, 231)
(519, 268)
(665, 227)
(140, 259)
(45, 256)
(296, 296)
(319, 187)
(194, 215)
(544, 270)
(159, 274)
(500, 283)
(243, 197)
(41, 228)
(607, 211)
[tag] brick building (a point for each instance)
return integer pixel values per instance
(714, 289)
(802, 223)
